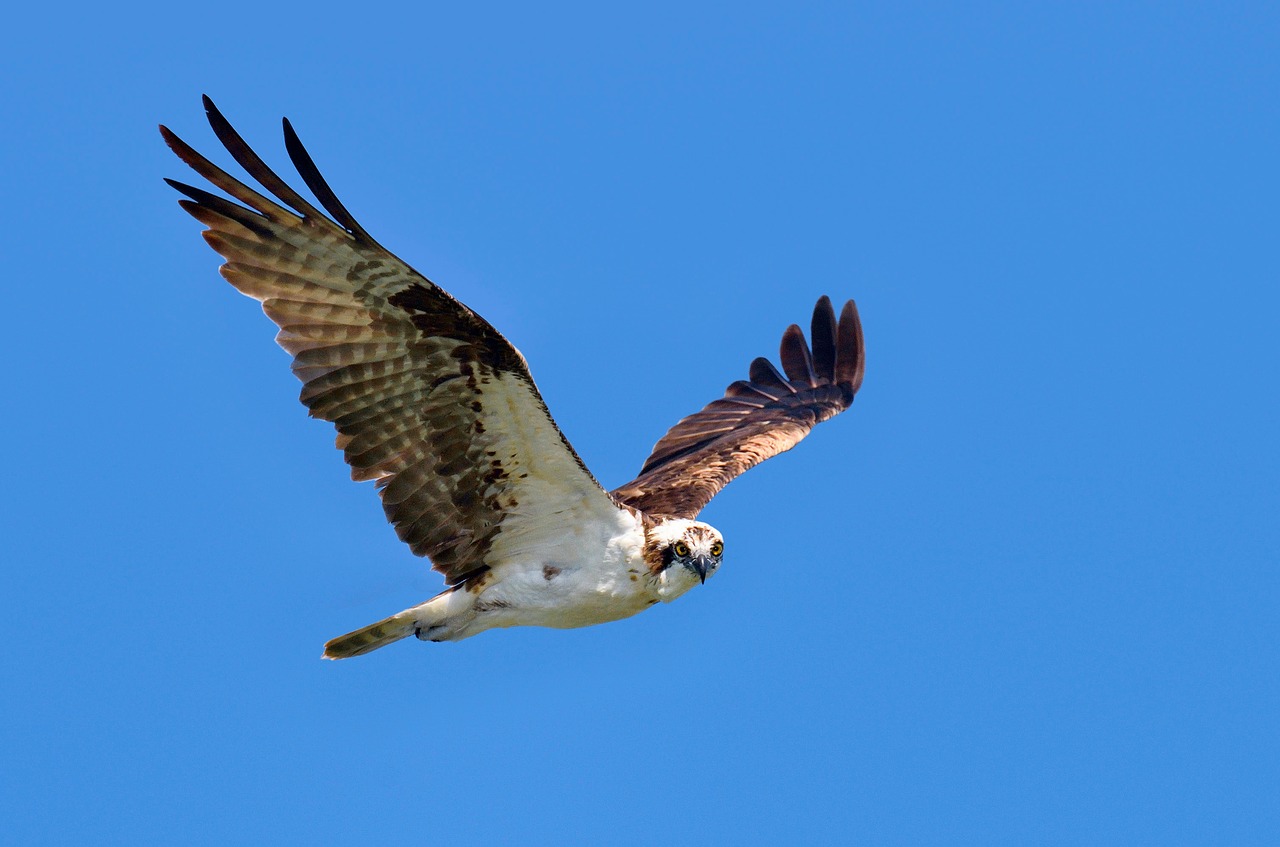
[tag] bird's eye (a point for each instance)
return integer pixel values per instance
(717, 548)
(681, 549)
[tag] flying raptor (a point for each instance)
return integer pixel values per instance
(438, 408)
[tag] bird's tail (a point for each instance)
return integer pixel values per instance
(388, 630)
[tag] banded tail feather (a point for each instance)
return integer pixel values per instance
(438, 612)
(370, 638)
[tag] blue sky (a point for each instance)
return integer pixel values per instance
(1025, 591)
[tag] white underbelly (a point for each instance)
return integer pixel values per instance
(579, 579)
(563, 596)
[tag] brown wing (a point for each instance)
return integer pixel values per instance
(756, 419)
(427, 397)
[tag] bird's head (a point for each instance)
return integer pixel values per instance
(681, 554)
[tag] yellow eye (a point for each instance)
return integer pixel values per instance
(681, 549)
(717, 549)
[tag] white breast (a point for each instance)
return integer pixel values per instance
(577, 576)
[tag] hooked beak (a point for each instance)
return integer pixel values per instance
(700, 564)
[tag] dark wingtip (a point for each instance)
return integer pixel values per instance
(254, 165)
(822, 335)
(851, 359)
(795, 356)
(221, 126)
(765, 375)
(183, 150)
(181, 187)
(212, 113)
(170, 137)
(311, 175)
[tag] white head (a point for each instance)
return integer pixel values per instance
(681, 554)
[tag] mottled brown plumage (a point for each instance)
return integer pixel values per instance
(427, 397)
(756, 419)
(438, 408)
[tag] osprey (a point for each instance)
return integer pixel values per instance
(438, 408)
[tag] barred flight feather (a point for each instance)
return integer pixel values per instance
(426, 396)
(756, 419)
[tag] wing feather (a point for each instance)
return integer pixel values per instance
(428, 399)
(319, 186)
(756, 419)
(822, 334)
(797, 361)
(768, 379)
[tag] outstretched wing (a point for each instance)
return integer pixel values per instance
(427, 397)
(756, 419)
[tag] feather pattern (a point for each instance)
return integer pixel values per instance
(756, 419)
(427, 397)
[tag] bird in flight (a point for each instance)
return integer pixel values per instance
(440, 410)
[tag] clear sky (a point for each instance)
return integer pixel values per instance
(1024, 592)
